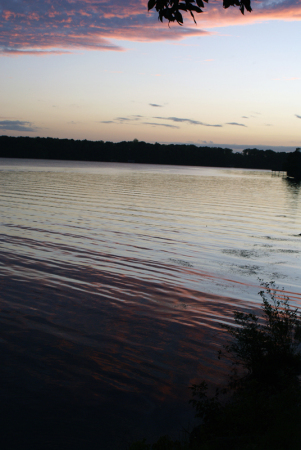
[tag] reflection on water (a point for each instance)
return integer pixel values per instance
(114, 278)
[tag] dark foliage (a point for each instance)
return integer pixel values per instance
(261, 408)
(163, 443)
(171, 10)
(268, 347)
(294, 164)
(139, 152)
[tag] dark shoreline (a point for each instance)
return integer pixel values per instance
(140, 152)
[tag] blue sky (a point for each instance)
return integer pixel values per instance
(109, 70)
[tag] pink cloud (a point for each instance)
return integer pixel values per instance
(33, 52)
(285, 10)
(6, 15)
(33, 16)
(58, 25)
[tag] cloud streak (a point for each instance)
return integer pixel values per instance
(122, 120)
(179, 120)
(43, 28)
(16, 125)
(236, 124)
(190, 121)
(137, 120)
(298, 117)
(160, 125)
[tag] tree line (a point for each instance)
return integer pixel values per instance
(140, 152)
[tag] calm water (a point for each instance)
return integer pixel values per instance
(114, 279)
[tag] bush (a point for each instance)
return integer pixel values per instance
(267, 348)
(263, 410)
(260, 407)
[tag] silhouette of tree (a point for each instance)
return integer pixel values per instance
(171, 9)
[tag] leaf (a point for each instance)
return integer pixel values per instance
(191, 13)
(178, 17)
(247, 4)
(151, 4)
(200, 3)
(195, 8)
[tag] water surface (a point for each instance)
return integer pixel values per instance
(114, 279)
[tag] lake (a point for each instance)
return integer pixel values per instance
(114, 279)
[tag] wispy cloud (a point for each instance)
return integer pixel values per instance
(16, 125)
(14, 52)
(190, 121)
(205, 142)
(236, 124)
(160, 125)
(136, 119)
(128, 119)
(155, 105)
(298, 117)
(51, 27)
(122, 120)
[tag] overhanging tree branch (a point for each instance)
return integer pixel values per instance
(171, 9)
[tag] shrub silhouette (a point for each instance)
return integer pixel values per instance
(267, 346)
(260, 406)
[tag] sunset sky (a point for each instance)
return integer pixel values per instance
(109, 70)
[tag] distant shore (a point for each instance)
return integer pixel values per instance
(140, 152)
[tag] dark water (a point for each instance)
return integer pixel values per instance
(113, 281)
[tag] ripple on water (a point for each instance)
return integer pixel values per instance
(115, 279)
